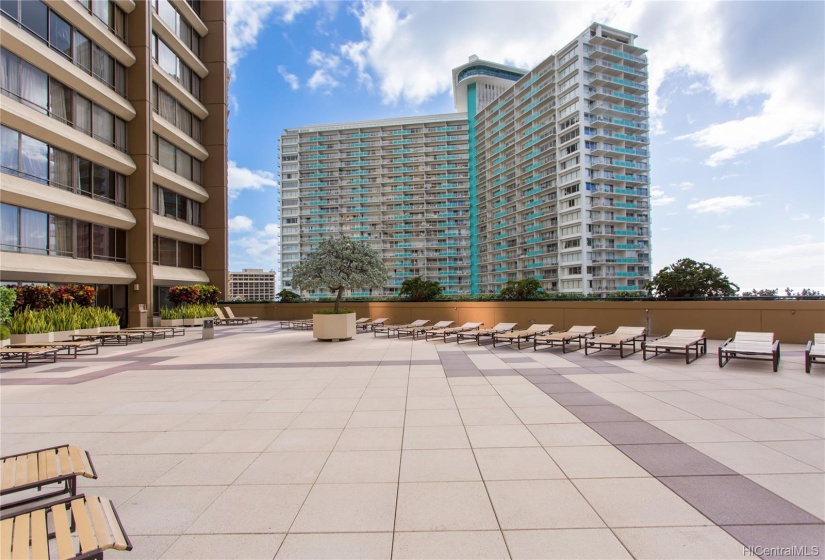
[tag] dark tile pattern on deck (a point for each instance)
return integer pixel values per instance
(749, 512)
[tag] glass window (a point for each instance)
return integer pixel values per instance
(120, 79)
(100, 8)
(196, 171)
(84, 176)
(183, 165)
(61, 232)
(120, 134)
(82, 51)
(103, 186)
(198, 256)
(83, 240)
(168, 251)
(167, 59)
(60, 35)
(82, 114)
(102, 242)
(167, 106)
(10, 75)
(60, 168)
(155, 196)
(185, 257)
(9, 228)
(117, 22)
(170, 202)
(103, 65)
(60, 102)
(168, 14)
(11, 7)
(120, 189)
(35, 159)
(34, 232)
(181, 214)
(196, 129)
(103, 125)
(10, 150)
(166, 154)
(154, 96)
(196, 213)
(34, 87)
(120, 245)
(35, 16)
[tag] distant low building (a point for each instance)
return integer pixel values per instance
(252, 284)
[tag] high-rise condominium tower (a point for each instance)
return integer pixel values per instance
(114, 161)
(542, 173)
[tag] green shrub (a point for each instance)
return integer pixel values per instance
(29, 321)
(418, 289)
(288, 296)
(340, 311)
(65, 317)
(8, 297)
(4, 332)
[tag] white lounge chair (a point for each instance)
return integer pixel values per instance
(814, 351)
(749, 346)
(621, 337)
(370, 325)
(678, 341)
(478, 334)
(523, 335)
(576, 333)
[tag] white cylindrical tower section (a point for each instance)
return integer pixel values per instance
(491, 79)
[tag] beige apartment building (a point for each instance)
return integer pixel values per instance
(114, 146)
(252, 284)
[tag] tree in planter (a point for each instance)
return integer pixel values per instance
(418, 289)
(688, 278)
(340, 264)
(522, 290)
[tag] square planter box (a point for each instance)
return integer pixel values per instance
(5, 342)
(193, 322)
(171, 322)
(333, 327)
(114, 328)
(32, 338)
(94, 330)
(64, 335)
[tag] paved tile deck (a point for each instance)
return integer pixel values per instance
(264, 443)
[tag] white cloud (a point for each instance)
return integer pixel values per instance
(722, 204)
(257, 248)
(801, 217)
(241, 178)
(328, 66)
(291, 79)
(658, 198)
(408, 48)
(240, 223)
(770, 267)
(245, 19)
(684, 185)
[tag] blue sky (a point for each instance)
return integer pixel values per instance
(737, 89)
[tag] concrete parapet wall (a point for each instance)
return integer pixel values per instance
(791, 321)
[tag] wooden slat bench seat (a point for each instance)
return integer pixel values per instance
(53, 465)
(750, 346)
(83, 528)
(814, 351)
(478, 334)
(72, 347)
(619, 339)
(452, 331)
(521, 336)
(25, 356)
(679, 341)
(576, 333)
(419, 330)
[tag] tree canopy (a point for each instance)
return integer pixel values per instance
(418, 289)
(521, 290)
(688, 278)
(340, 264)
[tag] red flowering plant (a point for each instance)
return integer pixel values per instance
(203, 294)
(34, 297)
(84, 296)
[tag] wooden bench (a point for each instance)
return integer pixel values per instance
(491, 332)
(72, 347)
(35, 469)
(621, 337)
(82, 527)
(750, 346)
(523, 335)
(576, 333)
(42, 353)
